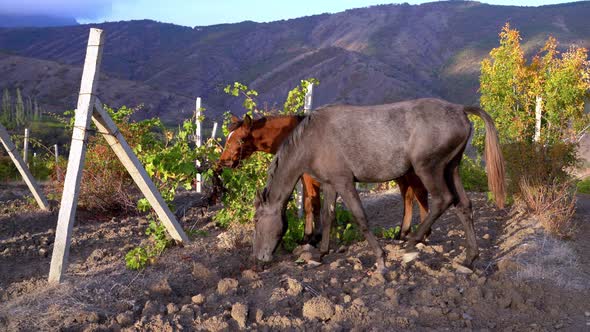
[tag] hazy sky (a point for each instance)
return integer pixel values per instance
(203, 12)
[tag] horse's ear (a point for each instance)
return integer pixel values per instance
(234, 119)
(247, 121)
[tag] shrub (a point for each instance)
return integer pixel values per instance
(139, 257)
(537, 164)
(295, 231)
(539, 177)
(346, 230)
(584, 186)
(8, 171)
(553, 204)
(473, 175)
(167, 156)
(241, 185)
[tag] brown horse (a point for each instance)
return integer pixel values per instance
(266, 134)
(340, 144)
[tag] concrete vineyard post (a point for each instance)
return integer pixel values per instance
(26, 147)
(87, 104)
(198, 142)
(22, 168)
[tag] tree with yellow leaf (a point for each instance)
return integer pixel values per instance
(555, 85)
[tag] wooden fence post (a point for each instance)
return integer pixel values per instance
(214, 130)
(198, 142)
(23, 169)
(56, 153)
(26, 147)
(69, 200)
(87, 103)
(117, 142)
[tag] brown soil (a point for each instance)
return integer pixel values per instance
(523, 279)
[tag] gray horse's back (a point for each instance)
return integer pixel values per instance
(382, 142)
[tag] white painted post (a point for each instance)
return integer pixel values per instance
(214, 130)
(69, 200)
(308, 99)
(23, 169)
(26, 147)
(538, 115)
(87, 103)
(198, 141)
(56, 153)
(307, 106)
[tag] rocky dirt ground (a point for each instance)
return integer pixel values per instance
(523, 280)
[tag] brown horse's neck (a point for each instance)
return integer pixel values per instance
(287, 166)
(269, 137)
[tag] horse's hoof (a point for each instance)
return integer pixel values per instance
(381, 271)
(313, 239)
(409, 256)
(411, 243)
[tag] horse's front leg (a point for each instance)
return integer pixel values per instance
(327, 216)
(352, 200)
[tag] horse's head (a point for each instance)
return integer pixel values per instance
(271, 225)
(239, 144)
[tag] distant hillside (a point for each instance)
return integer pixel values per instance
(15, 21)
(362, 56)
(56, 85)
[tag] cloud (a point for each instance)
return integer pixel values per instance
(61, 8)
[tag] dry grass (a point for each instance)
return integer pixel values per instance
(551, 260)
(552, 204)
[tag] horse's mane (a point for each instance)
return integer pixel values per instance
(258, 122)
(286, 149)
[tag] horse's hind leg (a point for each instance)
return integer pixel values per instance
(327, 216)
(441, 198)
(421, 195)
(464, 212)
(312, 206)
(408, 197)
(352, 200)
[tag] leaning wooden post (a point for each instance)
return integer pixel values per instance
(69, 200)
(56, 153)
(26, 147)
(307, 106)
(198, 141)
(214, 130)
(117, 142)
(23, 169)
(87, 103)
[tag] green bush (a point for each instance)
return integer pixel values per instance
(8, 171)
(139, 257)
(538, 164)
(242, 183)
(473, 175)
(295, 231)
(584, 186)
(346, 230)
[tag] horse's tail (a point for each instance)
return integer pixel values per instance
(493, 155)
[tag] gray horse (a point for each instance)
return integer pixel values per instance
(340, 144)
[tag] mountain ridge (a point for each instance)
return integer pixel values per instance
(368, 55)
